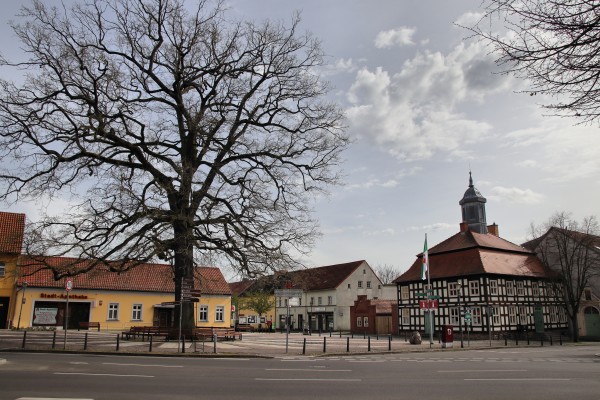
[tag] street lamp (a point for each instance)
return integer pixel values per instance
(460, 314)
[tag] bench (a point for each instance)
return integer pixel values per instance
(146, 331)
(245, 328)
(210, 333)
(89, 325)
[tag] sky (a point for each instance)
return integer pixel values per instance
(424, 106)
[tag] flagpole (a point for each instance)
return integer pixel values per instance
(429, 292)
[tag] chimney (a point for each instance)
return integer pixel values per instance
(464, 227)
(493, 229)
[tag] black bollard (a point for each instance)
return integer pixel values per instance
(369, 344)
(118, 337)
(85, 341)
(24, 339)
(304, 347)
(150, 346)
(390, 343)
(324, 345)
(54, 340)
(347, 345)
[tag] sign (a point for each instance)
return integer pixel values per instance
(428, 304)
(69, 284)
(288, 292)
(233, 308)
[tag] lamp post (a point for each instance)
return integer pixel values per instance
(460, 315)
(22, 301)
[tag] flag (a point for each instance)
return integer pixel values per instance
(425, 267)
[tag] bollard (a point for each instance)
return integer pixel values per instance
(527, 335)
(542, 341)
(118, 342)
(369, 344)
(340, 333)
(304, 347)
(377, 335)
(54, 340)
(24, 339)
(85, 341)
(183, 344)
(324, 345)
(517, 340)
(150, 346)
(506, 340)
(365, 335)
(330, 333)
(551, 342)
(215, 343)
(352, 333)
(390, 343)
(560, 338)
(347, 345)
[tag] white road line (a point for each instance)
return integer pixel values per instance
(483, 370)
(49, 398)
(144, 365)
(117, 375)
(366, 361)
(517, 379)
(309, 379)
(308, 369)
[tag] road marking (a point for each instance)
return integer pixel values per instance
(517, 379)
(78, 362)
(483, 370)
(49, 398)
(309, 379)
(308, 369)
(144, 365)
(118, 375)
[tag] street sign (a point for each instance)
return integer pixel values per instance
(69, 284)
(428, 304)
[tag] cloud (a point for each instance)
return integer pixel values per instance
(469, 19)
(515, 195)
(339, 66)
(528, 163)
(429, 228)
(372, 183)
(381, 232)
(413, 113)
(395, 37)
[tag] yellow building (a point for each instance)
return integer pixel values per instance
(245, 292)
(31, 297)
(11, 238)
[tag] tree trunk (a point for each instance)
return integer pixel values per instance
(184, 277)
(574, 328)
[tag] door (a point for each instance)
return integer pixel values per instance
(538, 318)
(300, 325)
(592, 322)
(3, 311)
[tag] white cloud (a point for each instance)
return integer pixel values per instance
(515, 195)
(469, 19)
(528, 164)
(395, 37)
(374, 182)
(429, 228)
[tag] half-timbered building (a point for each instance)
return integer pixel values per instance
(479, 282)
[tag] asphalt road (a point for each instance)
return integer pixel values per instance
(526, 373)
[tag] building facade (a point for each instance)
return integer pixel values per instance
(479, 282)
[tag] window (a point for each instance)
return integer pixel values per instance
(136, 312)
(496, 315)
(510, 288)
(113, 311)
(522, 315)
(474, 288)
(562, 314)
(476, 315)
(404, 292)
(453, 289)
(368, 284)
(535, 289)
(359, 321)
(329, 300)
(280, 302)
(494, 287)
(553, 313)
(550, 291)
(320, 300)
(405, 316)
(312, 301)
(587, 294)
(366, 322)
(349, 286)
(512, 315)
(204, 313)
(454, 315)
(2, 269)
(364, 271)
(299, 301)
(219, 313)
(520, 288)
(359, 284)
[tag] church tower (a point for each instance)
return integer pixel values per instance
(473, 208)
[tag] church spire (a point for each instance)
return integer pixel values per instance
(473, 208)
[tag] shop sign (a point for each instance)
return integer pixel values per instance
(62, 296)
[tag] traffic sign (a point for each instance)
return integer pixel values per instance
(428, 304)
(69, 284)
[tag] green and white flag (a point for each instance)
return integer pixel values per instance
(425, 267)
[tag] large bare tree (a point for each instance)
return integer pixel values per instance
(552, 43)
(570, 248)
(177, 132)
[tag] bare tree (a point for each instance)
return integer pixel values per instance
(179, 134)
(386, 273)
(569, 248)
(552, 43)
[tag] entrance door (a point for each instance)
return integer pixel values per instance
(538, 318)
(300, 322)
(592, 322)
(3, 311)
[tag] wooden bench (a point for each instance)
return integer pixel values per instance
(89, 325)
(210, 333)
(245, 328)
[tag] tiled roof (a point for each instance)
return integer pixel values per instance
(12, 227)
(581, 237)
(238, 288)
(143, 278)
(469, 253)
(323, 278)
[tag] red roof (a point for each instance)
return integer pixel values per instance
(142, 278)
(323, 278)
(12, 227)
(471, 253)
(238, 288)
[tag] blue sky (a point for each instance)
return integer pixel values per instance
(423, 106)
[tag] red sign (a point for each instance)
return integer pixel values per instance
(428, 304)
(69, 284)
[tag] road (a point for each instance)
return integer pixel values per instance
(524, 373)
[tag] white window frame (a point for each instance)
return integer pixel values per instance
(523, 317)
(454, 316)
(329, 300)
(474, 288)
(404, 293)
(493, 287)
(520, 288)
(476, 316)
(359, 284)
(405, 316)
(535, 289)
(453, 289)
(512, 315)
(203, 312)
(510, 288)
(368, 284)
(319, 301)
(359, 322)
(136, 312)
(366, 322)
(496, 315)
(220, 314)
(113, 312)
